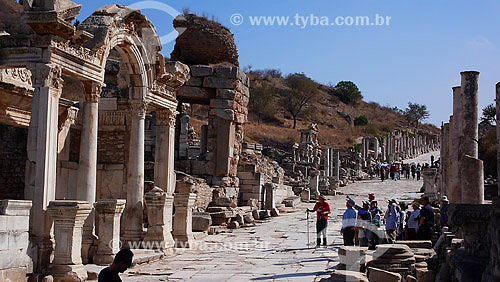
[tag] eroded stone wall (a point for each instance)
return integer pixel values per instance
(13, 156)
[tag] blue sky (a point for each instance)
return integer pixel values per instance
(417, 58)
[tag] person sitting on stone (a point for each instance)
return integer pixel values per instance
(122, 261)
(322, 209)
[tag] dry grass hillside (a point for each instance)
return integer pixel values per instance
(334, 128)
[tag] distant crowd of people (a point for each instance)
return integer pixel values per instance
(398, 170)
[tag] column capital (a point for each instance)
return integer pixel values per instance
(166, 117)
(92, 91)
(138, 108)
(48, 75)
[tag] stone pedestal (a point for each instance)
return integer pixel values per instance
(183, 232)
(429, 187)
(132, 229)
(68, 219)
(270, 199)
(108, 220)
(159, 207)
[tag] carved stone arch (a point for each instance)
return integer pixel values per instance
(132, 35)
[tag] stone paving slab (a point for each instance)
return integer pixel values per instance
(276, 249)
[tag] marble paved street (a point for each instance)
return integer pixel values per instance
(275, 250)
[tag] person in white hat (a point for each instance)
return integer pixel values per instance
(444, 211)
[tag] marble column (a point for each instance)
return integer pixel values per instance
(337, 164)
(455, 120)
(132, 230)
(159, 207)
(87, 163)
(471, 168)
(108, 220)
(164, 150)
(68, 217)
(184, 201)
(42, 154)
(498, 132)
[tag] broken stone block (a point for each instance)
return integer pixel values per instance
(425, 275)
(248, 218)
(275, 212)
(201, 70)
(346, 275)
(264, 214)
(239, 218)
(256, 214)
(233, 225)
(410, 278)
(380, 275)
(223, 202)
(424, 244)
(201, 221)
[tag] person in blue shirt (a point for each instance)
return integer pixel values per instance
(348, 224)
(391, 221)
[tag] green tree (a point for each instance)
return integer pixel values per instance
(302, 93)
(489, 115)
(260, 101)
(347, 92)
(361, 120)
(416, 113)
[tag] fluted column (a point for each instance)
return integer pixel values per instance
(87, 164)
(132, 231)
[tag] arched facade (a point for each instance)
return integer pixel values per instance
(54, 73)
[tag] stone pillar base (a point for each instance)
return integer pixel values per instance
(183, 233)
(108, 218)
(160, 207)
(68, 273)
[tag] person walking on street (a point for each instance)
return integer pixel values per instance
(413, 171)
(413, 221)
(391, 221)
(322, 210)
(402, 218)
(426, 223)
(382, 173)
(444, 211)
(419, 169)
(348, 224)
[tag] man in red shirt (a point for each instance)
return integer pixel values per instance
(322, 210)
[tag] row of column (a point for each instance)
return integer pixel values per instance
(461, 170)
(42, 151)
